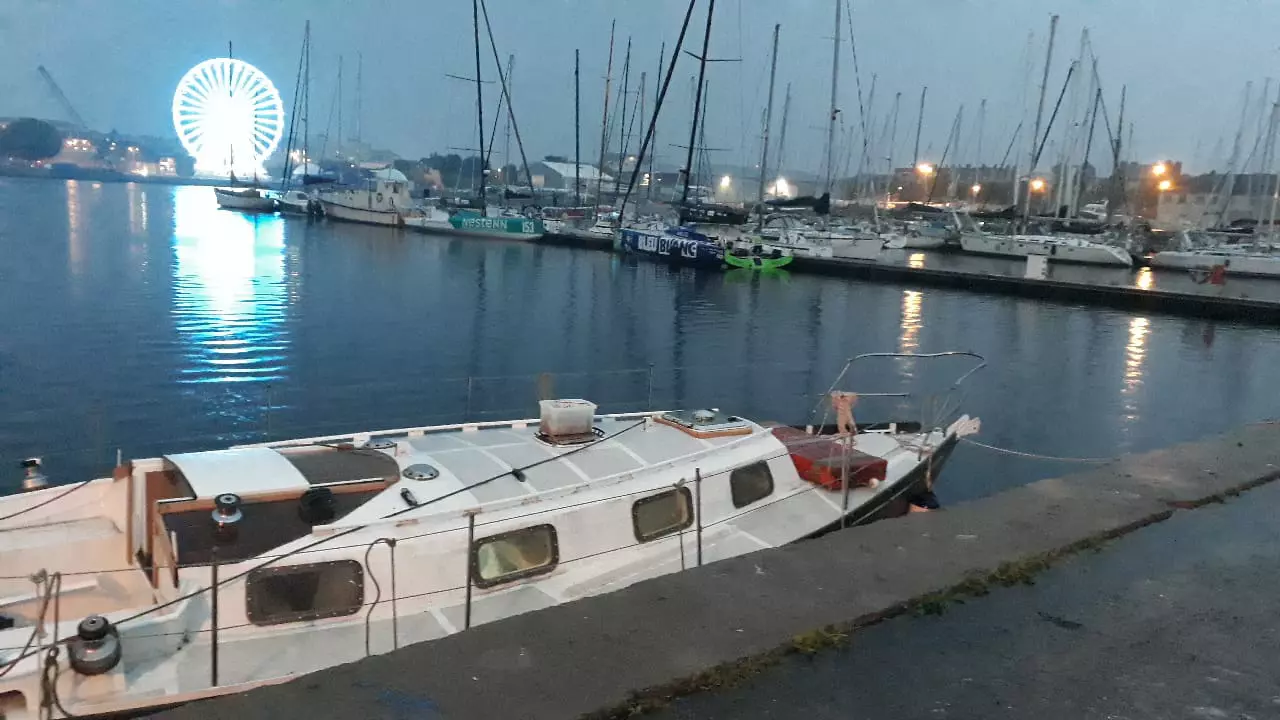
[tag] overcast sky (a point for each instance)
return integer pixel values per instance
(1185, 63)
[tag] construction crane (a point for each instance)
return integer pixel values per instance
(61, 97)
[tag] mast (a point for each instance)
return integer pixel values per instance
(604, 120)
(697, 106)
(1273, 178)
(835, 90)
(577, 129)
(782, 137)
(1117, 174)
(475, 21)
(338, 150)
(622, 118)
(768, 119)
(231, 145)
(893, 142)
(657, 98)
(506, 149)
(306, 101)
(1088, 147)
(977, 157)
(915, 160)
(1035, 134)
(359, 94)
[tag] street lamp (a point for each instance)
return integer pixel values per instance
(1165, 185)
(924, 169)
(1037, 185)
(725, 182)
(975, 189)
(1159, 169)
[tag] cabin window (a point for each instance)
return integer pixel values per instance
(662, 514)
(291, 593)
(751, 483)
(514, 555)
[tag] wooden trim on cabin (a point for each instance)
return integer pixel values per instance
(705, 434)
(179, 505)
(124, 472)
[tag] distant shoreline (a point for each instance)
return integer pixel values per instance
(111, 176)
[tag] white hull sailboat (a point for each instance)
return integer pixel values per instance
(1059, 249)
(1234, 262)
(198, 574)
(379, 202)
(245, 200)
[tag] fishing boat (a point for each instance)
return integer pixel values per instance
(245, 199)
(198, 574)
(381, 201)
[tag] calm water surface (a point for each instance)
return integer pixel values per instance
(142, 318)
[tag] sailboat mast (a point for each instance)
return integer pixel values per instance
(1035, 134)
(306, 100)
(231, 145)
(506, 149)
(977, 158)
(622, 118)
(893, 142)
(604, 120)
(338, 150)
(768, 119)
(577, 128)
(359, 93)
(782, 137)
(915, 160)
(657, 98)
(475, 20)
(1117, 175)
(835, 94)
(697, 106)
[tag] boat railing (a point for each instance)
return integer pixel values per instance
(934, 406)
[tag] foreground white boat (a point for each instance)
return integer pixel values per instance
(244, 200)
(198, 574)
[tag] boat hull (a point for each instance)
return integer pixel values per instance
(244, 202)
(1246, 265)
(347, 213)
(757, 262)
(1005, 246)
(675, 249)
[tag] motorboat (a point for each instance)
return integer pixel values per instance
(245, 199)
(198, 574)
(379, 201)
(295, 202)
(1198, 254)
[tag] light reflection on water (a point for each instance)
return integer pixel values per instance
(230, 294)
(1135, 353)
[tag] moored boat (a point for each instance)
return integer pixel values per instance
(677, 245)
(380, 201)
(198, 574)
(244, 199)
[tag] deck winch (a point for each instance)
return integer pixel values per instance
(96, 647)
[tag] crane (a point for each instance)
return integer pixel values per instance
(61, 97)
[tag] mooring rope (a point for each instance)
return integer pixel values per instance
(1037, 456)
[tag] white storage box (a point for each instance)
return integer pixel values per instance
(567, 417)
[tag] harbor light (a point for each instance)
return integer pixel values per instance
(1159, 169)
(1165, 185)
(782, 188)
(725, 182)
(1037, 185)
(975, 189)
(924, 169)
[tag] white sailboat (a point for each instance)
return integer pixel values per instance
(1198, 253)
(245, 199)
(1059, 248)
(199, 574)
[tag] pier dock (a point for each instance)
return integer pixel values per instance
(732, 627)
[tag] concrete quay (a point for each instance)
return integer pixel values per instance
(710, 628)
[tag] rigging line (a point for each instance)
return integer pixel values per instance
(506, 93)
(857, 76)
(39, 505)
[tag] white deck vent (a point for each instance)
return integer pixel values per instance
(567, 418)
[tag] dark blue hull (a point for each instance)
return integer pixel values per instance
(679, 246)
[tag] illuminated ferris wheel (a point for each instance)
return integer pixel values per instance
(229, 117)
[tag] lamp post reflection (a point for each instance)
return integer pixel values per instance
(1135, 352)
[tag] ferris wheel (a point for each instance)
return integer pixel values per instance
(229, 117)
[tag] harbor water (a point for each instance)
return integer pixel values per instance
(141, 319)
